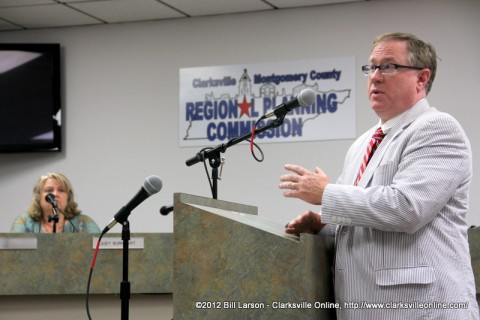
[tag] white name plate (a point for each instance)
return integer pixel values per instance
(18, 243)
(117, 243)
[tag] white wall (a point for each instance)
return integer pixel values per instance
(121, 101)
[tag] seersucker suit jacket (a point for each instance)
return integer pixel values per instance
(401, 237)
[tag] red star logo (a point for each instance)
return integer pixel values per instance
(244, 106)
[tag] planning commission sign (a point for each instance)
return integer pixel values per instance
(219, 103)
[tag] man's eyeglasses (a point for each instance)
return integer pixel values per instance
(386, 68)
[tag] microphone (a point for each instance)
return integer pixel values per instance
(306, 97)
(152, 185)
(50, 198)
(196, 159)
(165, 210)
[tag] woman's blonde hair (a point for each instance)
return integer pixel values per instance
(35, 210)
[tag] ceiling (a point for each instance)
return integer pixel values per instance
(38, 14)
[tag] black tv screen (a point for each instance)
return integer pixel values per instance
(30, 109)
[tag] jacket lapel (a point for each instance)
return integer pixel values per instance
(395, 133)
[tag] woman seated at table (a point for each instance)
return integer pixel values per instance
(43, 217)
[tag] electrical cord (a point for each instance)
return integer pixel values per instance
(68, 219)
(92, 265)
(252, 144)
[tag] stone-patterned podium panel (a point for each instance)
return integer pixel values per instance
(232, 265)
(474, 242)
(60, 264)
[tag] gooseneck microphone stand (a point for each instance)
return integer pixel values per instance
(213, 155)
(54, 218)
(50, 198)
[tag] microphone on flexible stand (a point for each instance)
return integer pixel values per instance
(50, 198)
(305, 98)
(165, 210)
(152, 185)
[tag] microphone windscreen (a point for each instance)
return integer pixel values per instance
(152, 185)
(50, 198)
(306, 97)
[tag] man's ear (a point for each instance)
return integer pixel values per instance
(423, 78)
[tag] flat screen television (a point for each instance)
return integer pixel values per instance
(30, 108)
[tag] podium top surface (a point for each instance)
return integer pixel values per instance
(254, 221)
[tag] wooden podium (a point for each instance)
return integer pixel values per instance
(230, 263)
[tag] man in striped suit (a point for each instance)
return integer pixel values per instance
(398, 210)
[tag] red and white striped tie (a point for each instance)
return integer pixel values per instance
(372, 146)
